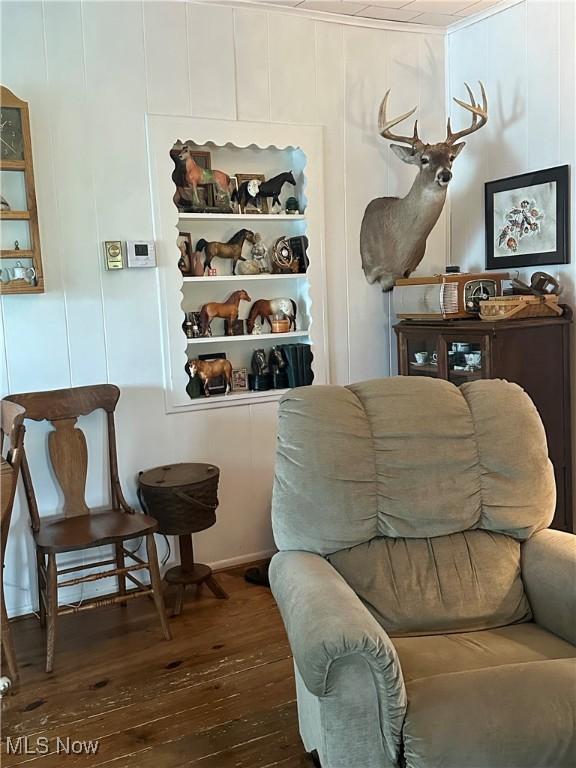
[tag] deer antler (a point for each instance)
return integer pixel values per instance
(384, 125)
(479, 115)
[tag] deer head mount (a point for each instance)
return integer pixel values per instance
(394, 230)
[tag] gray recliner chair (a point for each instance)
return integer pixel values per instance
(431, 614)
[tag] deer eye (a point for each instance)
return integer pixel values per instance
(452, 158)
(424, 161)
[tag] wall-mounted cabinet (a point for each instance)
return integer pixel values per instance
(243, 149)
(20, 258)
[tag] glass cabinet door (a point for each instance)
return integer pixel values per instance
(467, 360)
(422, 355)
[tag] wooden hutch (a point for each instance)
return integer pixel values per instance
(534, 353)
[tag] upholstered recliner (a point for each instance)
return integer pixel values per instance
(431, 615)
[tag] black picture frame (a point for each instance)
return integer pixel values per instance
(561, 253)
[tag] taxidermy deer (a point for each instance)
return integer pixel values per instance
(394, 230)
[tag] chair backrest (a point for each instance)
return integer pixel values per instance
(408, 457)
(67, 444)
(12, 433)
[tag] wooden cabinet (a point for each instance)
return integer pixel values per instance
(20, 258)
(534, 353)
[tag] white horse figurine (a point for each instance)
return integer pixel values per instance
(265, 309)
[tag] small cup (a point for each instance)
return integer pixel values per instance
(473, 359)
(421, 357)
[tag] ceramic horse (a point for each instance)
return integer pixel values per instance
(188, 176)
(228, 310)
(267, 308)
(271, 188)
(230, 250)
(211, 369)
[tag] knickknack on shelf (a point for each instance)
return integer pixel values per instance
(239, 213)
(20, 259)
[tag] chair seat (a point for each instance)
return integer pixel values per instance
(430, 655)
(93, 530)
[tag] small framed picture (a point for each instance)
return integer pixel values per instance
(239, 379)
(245, 193)
(233, 192)
(527, 219)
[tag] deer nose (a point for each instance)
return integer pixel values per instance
(445, 176)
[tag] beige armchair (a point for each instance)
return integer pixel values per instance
(431, 614)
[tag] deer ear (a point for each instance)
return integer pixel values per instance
(457, 148)
(406, 154)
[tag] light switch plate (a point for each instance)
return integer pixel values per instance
(141, 253)
(113, 256)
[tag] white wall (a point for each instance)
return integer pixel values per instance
(525, 57)
(91, 71)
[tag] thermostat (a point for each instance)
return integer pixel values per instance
(141, 253)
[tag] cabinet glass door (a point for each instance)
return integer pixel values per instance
(466, 360)
(422, 355)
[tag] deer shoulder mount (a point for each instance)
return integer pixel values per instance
(394, 230)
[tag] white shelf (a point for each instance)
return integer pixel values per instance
(247, 337)
(243, 278)
(242, 216)
(234, 398)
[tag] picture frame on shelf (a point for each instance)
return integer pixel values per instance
(240, 380)
(526, 219)
(233, 191)
(242, 178)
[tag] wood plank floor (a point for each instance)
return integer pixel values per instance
(219, 695)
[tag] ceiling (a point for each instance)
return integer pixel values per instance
(436, 13)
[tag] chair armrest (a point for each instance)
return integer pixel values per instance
(549, 574)
(326, 621)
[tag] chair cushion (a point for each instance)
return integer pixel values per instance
(463, 582)
(409, 457)
(98, 528)
(511, 716)
(438, 654)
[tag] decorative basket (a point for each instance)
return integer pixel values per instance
(520, 307)
(182, 497)
(280, 325)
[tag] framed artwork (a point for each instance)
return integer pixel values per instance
(239, 380)
(527, 219)
(248, 177)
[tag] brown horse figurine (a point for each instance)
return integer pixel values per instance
(265, 309)
(210, 369)
(230, 250)
(195, 176)
(227, 310)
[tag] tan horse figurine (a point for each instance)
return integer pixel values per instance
(188, 176)
(228, 310)
(210, 369)
(230, 250)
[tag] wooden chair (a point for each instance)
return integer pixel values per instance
(80, 527)
(12, 432)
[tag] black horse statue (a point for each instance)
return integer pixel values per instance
(270, 188)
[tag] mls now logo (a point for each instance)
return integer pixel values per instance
(42, 745)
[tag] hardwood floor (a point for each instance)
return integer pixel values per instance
(219, 695)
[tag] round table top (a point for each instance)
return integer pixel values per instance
(174, 475)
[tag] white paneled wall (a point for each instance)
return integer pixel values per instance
(91, 72)
(525, 57)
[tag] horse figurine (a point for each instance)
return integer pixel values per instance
(267, 308)
(230, 250)
(211, 369)
(228, 310)
(252, 192)
(188, 176)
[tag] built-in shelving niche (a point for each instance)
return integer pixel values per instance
(271, 149)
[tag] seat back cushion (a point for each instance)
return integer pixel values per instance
(462, 582)
(408, 457)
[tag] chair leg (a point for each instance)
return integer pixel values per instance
(52, 612)
(8, 646)
(121, 577)
(216, 589)
(178, 600)
(157, 584)
(40, 564)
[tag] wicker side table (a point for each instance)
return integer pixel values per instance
(183, 498)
